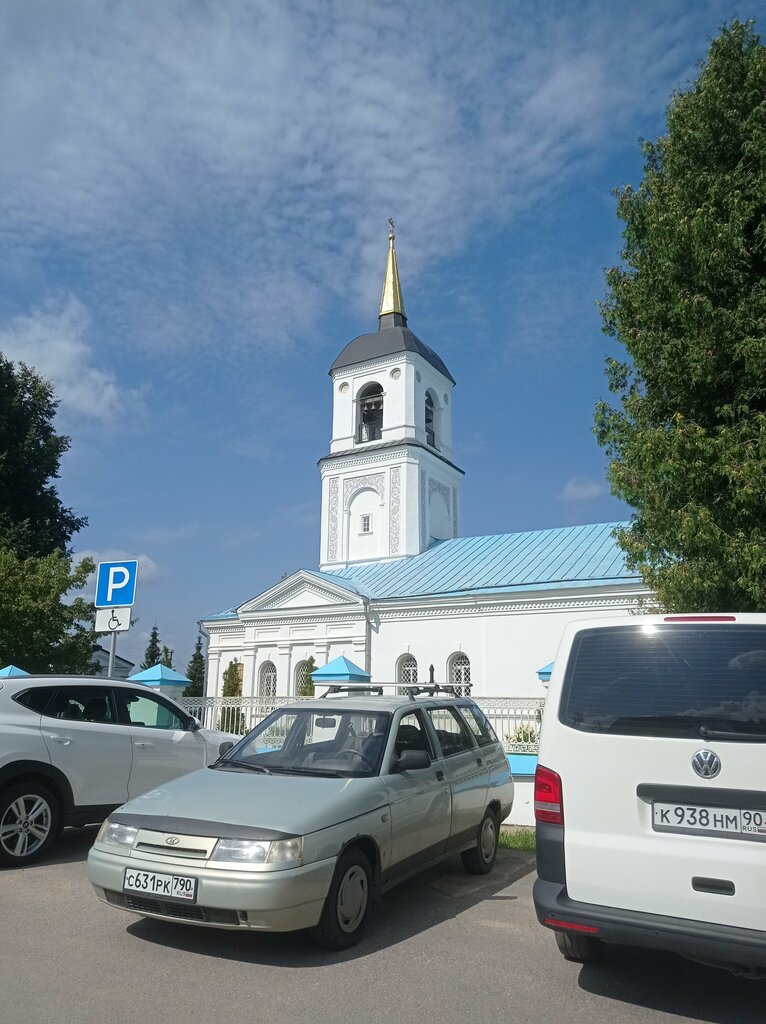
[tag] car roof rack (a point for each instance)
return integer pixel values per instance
(366, 688)
(412, 690)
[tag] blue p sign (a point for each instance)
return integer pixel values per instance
(116, 584)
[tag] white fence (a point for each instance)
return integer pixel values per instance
(516, 720)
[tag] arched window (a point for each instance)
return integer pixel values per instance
(430, 428)
(370, 413)
(267, 680)
(407, 673)
(303, 685)
(460, 674)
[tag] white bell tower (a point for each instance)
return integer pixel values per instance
(389, 485)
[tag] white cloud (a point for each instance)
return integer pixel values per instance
(54, 341)
(226, 170)
(581, 489)
(148, 570)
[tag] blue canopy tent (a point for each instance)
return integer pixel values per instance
(12, 672)
(340, 670)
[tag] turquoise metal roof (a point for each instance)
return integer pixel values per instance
(340, 670)
(574, 556)
(159, 675)
(12, 672)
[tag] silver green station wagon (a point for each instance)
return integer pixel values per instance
(318, 811)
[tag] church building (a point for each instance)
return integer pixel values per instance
(397, 589)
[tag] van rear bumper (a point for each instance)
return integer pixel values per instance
(723, 945)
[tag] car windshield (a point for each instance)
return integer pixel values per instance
(668, 680)
(305, 741)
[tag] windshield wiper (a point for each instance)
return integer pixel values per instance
(247, 764)
(722, 734)
(329, 772)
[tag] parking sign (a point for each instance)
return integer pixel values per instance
(116, 584)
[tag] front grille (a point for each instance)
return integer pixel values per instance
(165, 908)
(173, 851)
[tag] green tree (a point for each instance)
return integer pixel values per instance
(232, 719)
(306, 686)
(166, 658)
(33, 521)
(39, 630)
(153, 651)
(195, 672)
(687, 441)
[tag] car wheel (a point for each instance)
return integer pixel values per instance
(579, 947)
(481, 858)
(347, 907)
(29, 822)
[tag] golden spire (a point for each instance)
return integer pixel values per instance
(391, 300)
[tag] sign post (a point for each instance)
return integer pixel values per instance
(115, 595)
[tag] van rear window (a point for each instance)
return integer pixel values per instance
(667, 680)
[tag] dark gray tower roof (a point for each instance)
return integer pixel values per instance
(387, 341)
(393, 335)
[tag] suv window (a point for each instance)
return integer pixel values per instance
(83, 704)
(451, 731)
(482, 731)
(666, 680)
(35, 699)
(151, 712)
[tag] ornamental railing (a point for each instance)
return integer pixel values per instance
(516, 720)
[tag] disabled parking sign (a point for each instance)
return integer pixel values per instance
(116, 584)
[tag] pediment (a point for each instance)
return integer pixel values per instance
(301, 590)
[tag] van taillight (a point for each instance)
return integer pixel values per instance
(549, 801)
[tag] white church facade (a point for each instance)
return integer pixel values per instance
(397, 589)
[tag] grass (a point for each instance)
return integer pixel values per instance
(521, 839)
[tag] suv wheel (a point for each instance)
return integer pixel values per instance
(481, 859)
(347, 907)
(579, 947)
(29, 822)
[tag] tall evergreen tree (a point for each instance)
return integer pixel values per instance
(166, 658)
(687, 440)
(153, 652)
(195, 672)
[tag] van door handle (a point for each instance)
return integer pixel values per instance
(440, 776)
(479, 761)
(143, 744)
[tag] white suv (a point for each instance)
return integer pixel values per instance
(72, 748)
(650, 794)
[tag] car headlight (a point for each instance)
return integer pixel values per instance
(288, 852)
(115, 834)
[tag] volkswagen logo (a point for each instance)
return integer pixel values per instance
(706, 764)
(174, 840)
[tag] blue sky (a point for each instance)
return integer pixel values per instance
(193, 207)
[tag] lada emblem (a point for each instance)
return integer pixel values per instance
(706, 764)
(172, 840)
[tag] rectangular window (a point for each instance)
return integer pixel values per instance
(451, 731)
(667, 680)
(365, 525)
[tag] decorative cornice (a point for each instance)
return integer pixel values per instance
(473, 607)
(349, 453)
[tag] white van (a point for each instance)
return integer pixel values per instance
(650, 793)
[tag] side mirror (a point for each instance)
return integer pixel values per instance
(225, 747)
(413, 760)
(194, 724)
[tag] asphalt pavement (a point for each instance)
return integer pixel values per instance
(444, 947)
